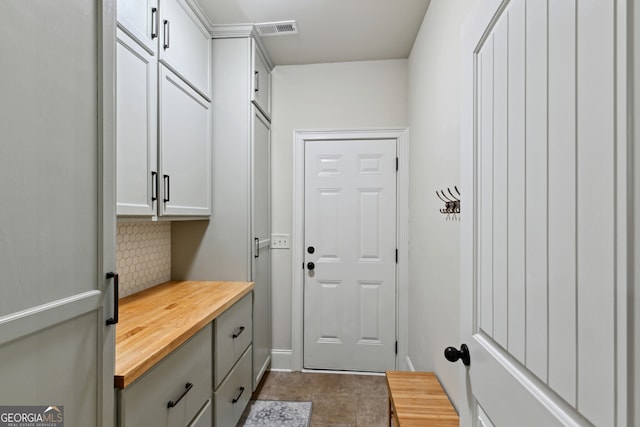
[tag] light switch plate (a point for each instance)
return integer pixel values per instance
(279, 241)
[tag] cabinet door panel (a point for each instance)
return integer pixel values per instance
(140, 20)
(185, 45)
(137, 120)
(57, 214)
(261, 228)
(185, 149)
(261, 80)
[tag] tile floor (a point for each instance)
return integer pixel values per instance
(339, 400)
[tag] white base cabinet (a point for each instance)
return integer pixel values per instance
(175, 392)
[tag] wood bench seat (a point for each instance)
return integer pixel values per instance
(417, 399)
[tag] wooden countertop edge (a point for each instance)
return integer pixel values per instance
(123, 380)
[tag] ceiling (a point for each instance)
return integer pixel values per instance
(328, 30)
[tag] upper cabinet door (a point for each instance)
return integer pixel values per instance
(140, 19)
(261, 80)
(137, 119)
(185, 45)
(185, 149)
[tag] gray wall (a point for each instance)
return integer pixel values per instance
(321, 96)
(434, 261)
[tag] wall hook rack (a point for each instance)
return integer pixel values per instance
(451, 201)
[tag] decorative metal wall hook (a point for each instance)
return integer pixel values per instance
(451, 201)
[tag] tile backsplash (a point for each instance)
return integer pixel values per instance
(143, 255)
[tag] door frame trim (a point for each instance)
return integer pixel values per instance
(401, 135)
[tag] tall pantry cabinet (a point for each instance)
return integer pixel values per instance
(235, 243)
(57, 214)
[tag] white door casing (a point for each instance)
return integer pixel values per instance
(350, 221)
(401, 135)
(544, 243)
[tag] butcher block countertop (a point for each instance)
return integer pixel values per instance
(156, 321)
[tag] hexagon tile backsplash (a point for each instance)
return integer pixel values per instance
(143, 255)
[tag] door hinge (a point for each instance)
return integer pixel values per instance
(396, 256)
(396, 347)
(397, 164)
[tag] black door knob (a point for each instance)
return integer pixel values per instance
(452, 354)
(311, 249)
(310, 266)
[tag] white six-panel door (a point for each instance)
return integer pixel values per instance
(350, 222)
(543, 247)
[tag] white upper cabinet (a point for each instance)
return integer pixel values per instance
(137, 127)
(163, 129)
(140, 19)
(185, 45)
(185, 149)
(261, 79)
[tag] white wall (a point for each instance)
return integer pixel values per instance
(321, 96)
(434, 261)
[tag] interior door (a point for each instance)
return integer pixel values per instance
(57, 215)
(261, 229)
(350, 250)
(544, 231)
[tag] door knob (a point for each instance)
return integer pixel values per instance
(452, 354)
(311, 249)
(310, 266)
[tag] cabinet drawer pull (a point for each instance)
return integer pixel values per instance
(187, 388)
(116, 284)
(256, 75)
(237, 332)
(237, 398)
(166, 35)
(154, 22)
(154, 186)
(167, 188)
(256, 242)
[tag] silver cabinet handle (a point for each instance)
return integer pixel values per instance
(257, 243)
(257, 78)
(166, 34)
(154, 22)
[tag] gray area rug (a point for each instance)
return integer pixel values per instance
(272, 413)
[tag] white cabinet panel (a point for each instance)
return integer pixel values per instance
(140, 20)
(232, 335)
(182, 380)
(57, 214)
(184, 186)
(185, 45)
(137, 120)
(261, 227)
(233, 395)
(261, 83)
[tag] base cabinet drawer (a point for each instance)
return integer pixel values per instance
(175, 391)
(233, 395)
(233, 332)
(205, 417)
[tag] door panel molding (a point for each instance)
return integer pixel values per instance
(401, 135)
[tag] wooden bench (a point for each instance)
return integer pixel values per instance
(417, 399)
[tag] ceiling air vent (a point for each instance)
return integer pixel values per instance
(277, 28)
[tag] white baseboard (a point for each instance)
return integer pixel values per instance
(281, 360)
(410, 364)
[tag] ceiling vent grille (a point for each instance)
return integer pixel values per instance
(277, 28)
